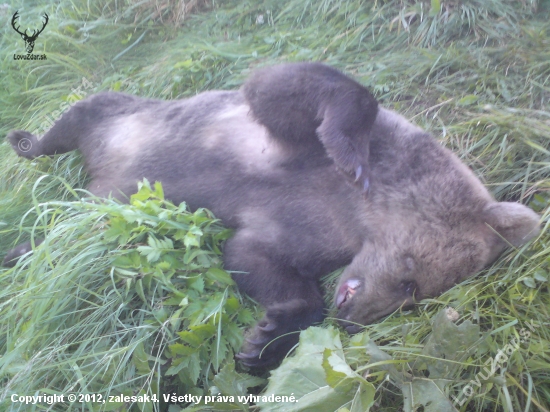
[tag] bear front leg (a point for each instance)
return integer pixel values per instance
(292, 302)
(304, 104)
(346, 140)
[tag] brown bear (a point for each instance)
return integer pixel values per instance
(313, 175)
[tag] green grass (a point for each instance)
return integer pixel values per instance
(474, 73)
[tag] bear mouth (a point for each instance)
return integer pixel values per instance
(346, 292)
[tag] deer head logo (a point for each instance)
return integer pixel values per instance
(29, 40)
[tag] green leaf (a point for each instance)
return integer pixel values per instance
(178, 365)
(196, 283)
(364, 397)
(159, 192)
(152, 254)
(184, 64)
(384, 362)
(529, 282)
(130, 260)
(303, 375)
(449, 344)
(541, 275)
(426, 393)
(220, 275)
(190, 338)
(468, 100)
(233, 383)
(180, 349)
(245, 316)
(116, 86)
(337, 372)
(118, 228)
(435, 8)
(194, 367)
(140, 359)
(234, 335)
(204, 332)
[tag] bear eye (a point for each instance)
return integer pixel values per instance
(409, 287)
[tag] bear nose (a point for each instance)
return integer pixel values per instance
(346, 291)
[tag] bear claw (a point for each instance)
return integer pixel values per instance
(366, 186)
(361, 178)
(358, 172)
(254, 342)
(268, 327)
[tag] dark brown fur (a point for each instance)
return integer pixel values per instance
(318, 109)
(265, 160)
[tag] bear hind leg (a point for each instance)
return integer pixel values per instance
(292, 302)
(13, 255)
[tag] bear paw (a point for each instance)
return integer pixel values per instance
(357, 176)
(274, 335)
(265, 345)
(350, 159)
(24, 143)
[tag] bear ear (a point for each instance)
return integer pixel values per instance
(516, 223)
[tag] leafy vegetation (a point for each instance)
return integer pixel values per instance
(132, 299)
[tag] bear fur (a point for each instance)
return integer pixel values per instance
(312, 175)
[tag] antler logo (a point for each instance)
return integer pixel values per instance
(29, 40)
